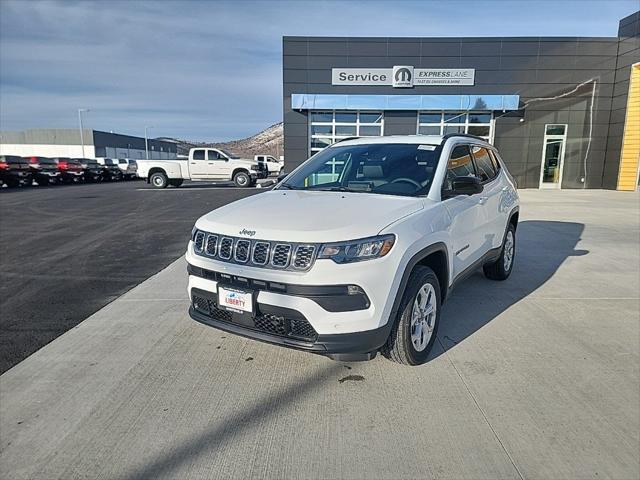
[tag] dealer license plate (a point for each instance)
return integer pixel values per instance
(235, 300)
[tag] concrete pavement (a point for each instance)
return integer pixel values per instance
(535, 377)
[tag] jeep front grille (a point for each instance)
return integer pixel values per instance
(226, 247)
(260, 253)
(303, 256)
(243, 247)
(255, 253)
(212, 245)
(198, 242)
(280, 255)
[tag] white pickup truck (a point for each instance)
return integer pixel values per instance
(273, 165)
(203, 164)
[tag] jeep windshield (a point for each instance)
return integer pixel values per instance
(389, 169)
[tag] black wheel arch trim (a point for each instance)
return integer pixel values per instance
(413, 261)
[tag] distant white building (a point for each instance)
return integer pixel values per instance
(67, 143)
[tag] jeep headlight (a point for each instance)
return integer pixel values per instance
(358, 250)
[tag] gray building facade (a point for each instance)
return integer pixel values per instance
(554, 106)
(93, 143)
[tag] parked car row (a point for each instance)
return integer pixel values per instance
(16, 171)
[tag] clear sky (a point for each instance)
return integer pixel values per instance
(213, 70)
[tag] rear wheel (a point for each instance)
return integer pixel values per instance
(501, 268)
(416, 327)
(159, 180)
(242, 179)
(176, 182)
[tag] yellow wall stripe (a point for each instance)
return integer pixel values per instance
(630, 156)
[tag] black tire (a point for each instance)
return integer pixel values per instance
(501, 268)
(242, 179)
(159, 180)
(176, 182)
(400, 347)
(12, 183)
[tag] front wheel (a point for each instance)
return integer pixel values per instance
(414, 332)
(159, 180)
(241, 179)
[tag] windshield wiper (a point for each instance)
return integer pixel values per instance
(341, 189)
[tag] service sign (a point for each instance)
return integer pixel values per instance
(403, 76)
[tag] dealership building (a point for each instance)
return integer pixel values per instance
(91, 144)
(563, 111)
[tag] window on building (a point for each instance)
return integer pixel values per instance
(328, 127)
(479, 124)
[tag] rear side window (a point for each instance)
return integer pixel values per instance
(14, 159)
(484, 164)
(198, 154)
(459, 165)
(494, 159)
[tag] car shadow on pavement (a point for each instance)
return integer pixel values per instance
(210, 440)
(541, 248)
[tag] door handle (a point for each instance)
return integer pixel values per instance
(483, 200)
(193, 163)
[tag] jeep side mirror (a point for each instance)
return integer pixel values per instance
(464, 186)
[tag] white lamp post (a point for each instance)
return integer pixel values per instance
(80, 112)
(146, 141)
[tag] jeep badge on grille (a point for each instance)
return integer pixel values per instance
(249, 233)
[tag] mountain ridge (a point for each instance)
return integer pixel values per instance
(267, 142)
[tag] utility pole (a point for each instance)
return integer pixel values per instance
(146, 141)
(80, 112)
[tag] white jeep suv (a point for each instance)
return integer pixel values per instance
(362, 245)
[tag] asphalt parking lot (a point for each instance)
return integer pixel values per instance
(68, 250)
(535, 377)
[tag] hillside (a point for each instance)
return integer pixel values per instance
(267, 142)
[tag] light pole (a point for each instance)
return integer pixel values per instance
(146, 141)
(80, 112)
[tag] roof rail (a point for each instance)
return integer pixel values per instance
(466, 135)
(345, 139)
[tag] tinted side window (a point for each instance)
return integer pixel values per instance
(460, 165)
(213, 155)
(484, 164)
(198, 154)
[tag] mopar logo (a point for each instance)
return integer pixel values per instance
(403, 76)
(249, 233)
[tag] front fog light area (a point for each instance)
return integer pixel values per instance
(358, 250)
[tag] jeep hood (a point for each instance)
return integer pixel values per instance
(304, 216)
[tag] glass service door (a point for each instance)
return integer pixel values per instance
(553, 150)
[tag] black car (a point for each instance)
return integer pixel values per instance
(110, 169)
(44, 170)
(92, 169)
(14, 171)
(70, 169)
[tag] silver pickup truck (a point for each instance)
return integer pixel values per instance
(203, 164)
